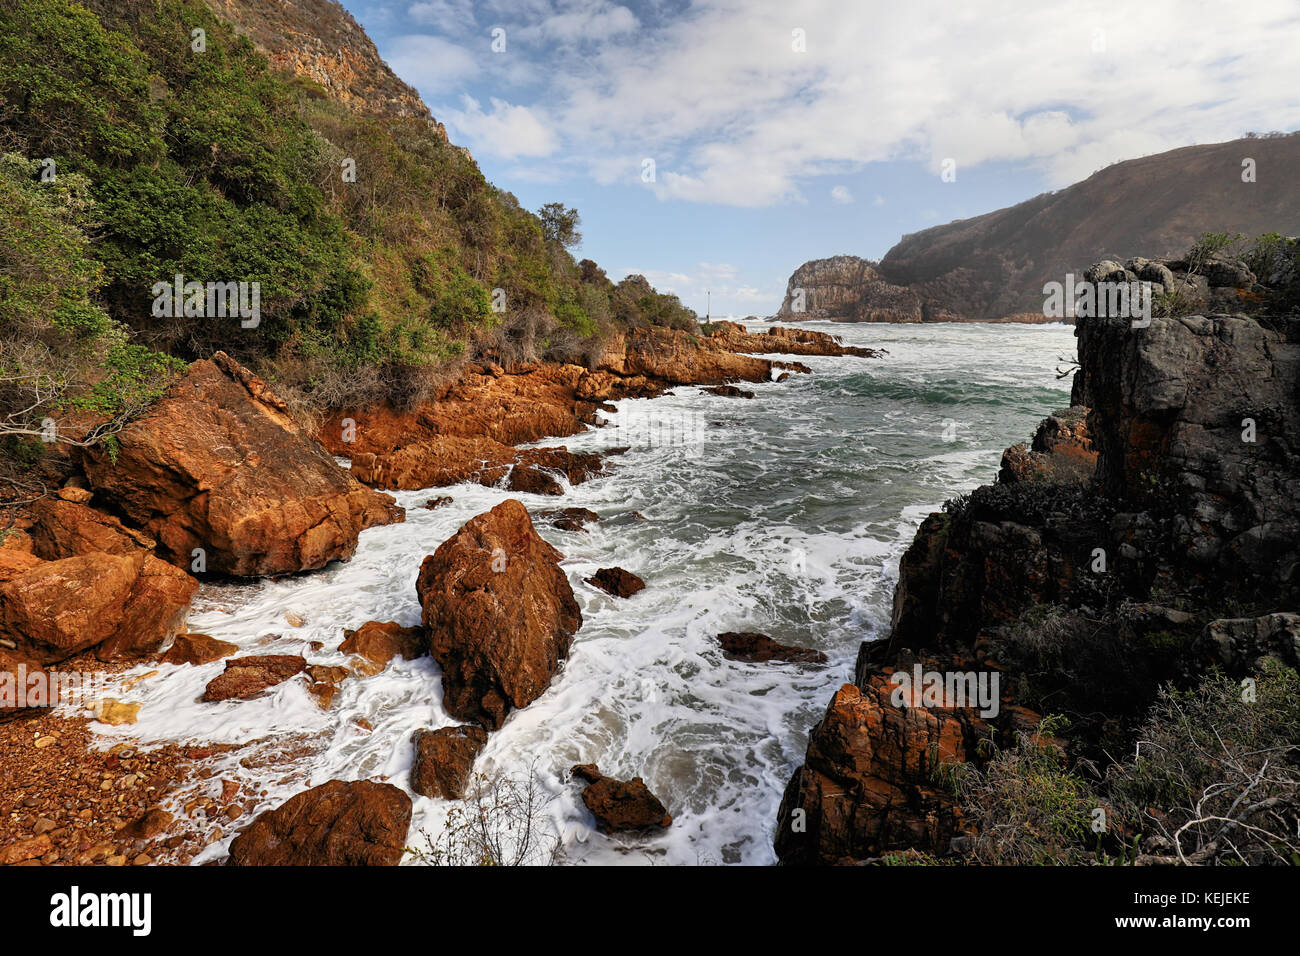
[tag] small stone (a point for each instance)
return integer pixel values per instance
(43, 742)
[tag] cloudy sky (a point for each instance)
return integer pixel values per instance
(718, 145)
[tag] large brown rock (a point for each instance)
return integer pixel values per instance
(246, 677)
(443, 760)
(499, 612)
(620, 804)
(219, 464)
(361, 823)
(121, 605)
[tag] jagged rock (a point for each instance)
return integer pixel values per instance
(1172, 408)
(620, 804)
(867, 785)
(443, 760)
(1061, 451)
(617, 582)
(218, 464)
(246, 677)
(361, 823)
(759, 648)
(778, 339)
(499, 612)
(66, 529)
(197, 649)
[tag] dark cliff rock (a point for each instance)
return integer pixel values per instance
(1085, 589)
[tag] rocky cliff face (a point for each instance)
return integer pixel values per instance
(1150, 533)
(994, 266)
(320, 40)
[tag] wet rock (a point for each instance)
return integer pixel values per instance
(443, 760)
(378, 642)
(246, 677)
(218, 464)
(569, 519)
(360, 823)
(617, 582)
(499, 613)
(620, 804)
(197, 649)
(434, 503)
(758, 648)
(728, 391)
(115, 713)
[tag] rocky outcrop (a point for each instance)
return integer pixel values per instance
(246, 677)
(443, 760)
(848, 289)
(758, 648)
(1203, 412)
(448, 460)
(620, 804)
(617, 582)
(319, 40)
(779, 340)
(499, 613)
(122, 606)
(1061, 451)
(218, 466)
(868, 783)
(361, 823)
(63, 529)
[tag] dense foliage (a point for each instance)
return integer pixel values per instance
(381, 253)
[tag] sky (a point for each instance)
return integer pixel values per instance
(715, 146)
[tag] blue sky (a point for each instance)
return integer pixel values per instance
(788, 131)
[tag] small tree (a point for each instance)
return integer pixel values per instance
(560, 224)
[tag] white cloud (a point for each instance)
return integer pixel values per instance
(445, 16)
(506, 130)
(430, 63)
(733, 115)
(841, 194)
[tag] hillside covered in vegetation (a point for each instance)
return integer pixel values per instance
(145, 140)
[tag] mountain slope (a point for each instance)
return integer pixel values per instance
(994, 265)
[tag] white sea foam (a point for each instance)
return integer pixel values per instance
(787, 517)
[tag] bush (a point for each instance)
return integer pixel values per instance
(1216, 776)
(501, 822)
